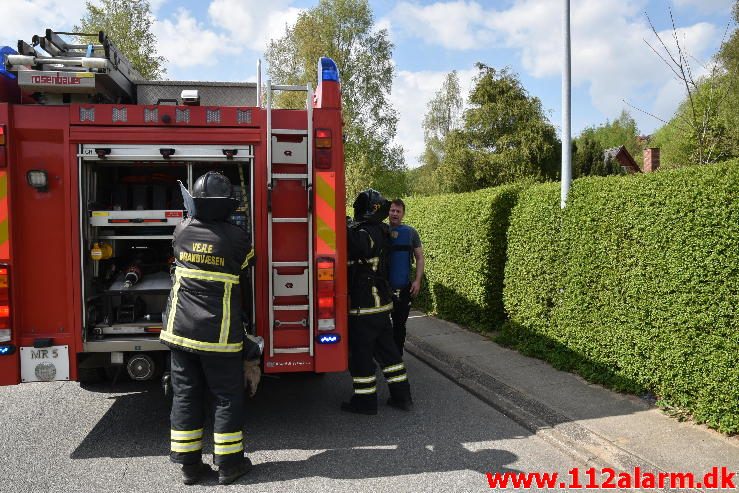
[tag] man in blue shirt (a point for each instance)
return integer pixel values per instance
(405, 246)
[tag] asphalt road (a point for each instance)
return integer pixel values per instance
(59, 437)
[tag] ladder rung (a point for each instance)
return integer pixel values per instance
(290, 264)
(302, 322)
(291, 350)
(290, 176)
(289, 219)
(290, 307)
(289, 131)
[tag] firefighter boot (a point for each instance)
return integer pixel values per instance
(229, 474)
(400, 396)
(192, 473)
(361, 405)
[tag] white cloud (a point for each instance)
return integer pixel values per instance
(185, 42)
(24, 18)
(253, 23)
(609, 56)
(454, 25)
(411, 93)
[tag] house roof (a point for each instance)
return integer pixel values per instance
(621, 155)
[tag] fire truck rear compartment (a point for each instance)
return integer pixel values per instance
(129, 211)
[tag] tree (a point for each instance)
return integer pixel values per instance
(593, 141)
(443, 116)
(344, 30)
(128, 24)
(728, 55)
(444, 110)
(588, 154)
(505, 137)
(714, 139)
(701, 129)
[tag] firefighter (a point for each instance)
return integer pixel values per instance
(203, 329)
(370, 329)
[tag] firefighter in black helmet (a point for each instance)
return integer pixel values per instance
(203, 328)
(370, 328)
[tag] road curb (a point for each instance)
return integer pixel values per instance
(561, 431)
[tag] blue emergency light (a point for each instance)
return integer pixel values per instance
(329, 338)
(6, 50)
(5, 350)
(327, 69)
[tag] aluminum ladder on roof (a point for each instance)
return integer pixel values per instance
(60, 67)
(283, 285)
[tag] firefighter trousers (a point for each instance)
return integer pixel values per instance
(192, 375)
(370, 338)
(401, 309)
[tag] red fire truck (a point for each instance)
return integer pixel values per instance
(90, 158)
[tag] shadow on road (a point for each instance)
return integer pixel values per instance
(295, 423)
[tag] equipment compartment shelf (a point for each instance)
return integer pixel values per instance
(136, 218)
(141, 327)
(135, 237)
(158, 282)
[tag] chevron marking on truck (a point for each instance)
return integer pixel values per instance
(4, 240)
(326, 212)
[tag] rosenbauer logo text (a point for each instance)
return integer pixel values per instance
(56, 80)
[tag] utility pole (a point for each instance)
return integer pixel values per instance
(566, 105)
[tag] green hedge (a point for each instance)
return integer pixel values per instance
(635, 284)
(464, 242)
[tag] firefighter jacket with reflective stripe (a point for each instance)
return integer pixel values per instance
(369, 291)
(203, 313)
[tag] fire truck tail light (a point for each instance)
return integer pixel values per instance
(323, 138)
(2, 135)
(5, 332)
(323, 147)
(325, 270)
(326, 293)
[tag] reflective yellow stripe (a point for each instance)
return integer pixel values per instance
(376, 296)
(401, 378)
(186, 447)
(206, 275)
(370, 311)
(227, 437)
(249, 256)
(364, 379)
(399, 366)
(374, 262)
(371, 390)
(172, 307)
(185, 435)
(226, 318)
(199, 345)
(222, 345)
(228, 449)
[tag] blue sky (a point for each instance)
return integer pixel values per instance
(222, 39)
